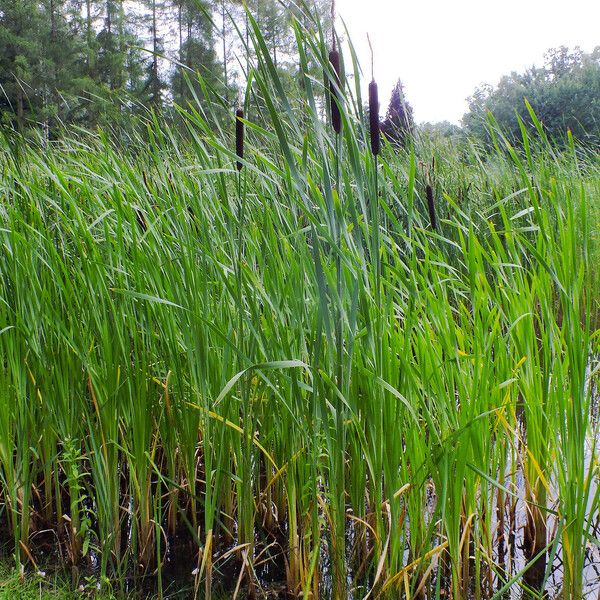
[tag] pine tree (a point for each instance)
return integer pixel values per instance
(196, 52)
(399, 123)
(110, 43)
(64, 53)
(39, 61)
(22, 70)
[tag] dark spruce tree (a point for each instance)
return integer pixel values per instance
(399, 124)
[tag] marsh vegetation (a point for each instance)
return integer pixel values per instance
(287, 378)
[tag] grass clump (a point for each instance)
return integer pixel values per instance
(41, 586)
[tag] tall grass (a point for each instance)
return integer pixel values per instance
(287, 368)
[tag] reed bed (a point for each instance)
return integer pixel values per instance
(291, 374)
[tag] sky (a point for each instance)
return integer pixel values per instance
(442, 50)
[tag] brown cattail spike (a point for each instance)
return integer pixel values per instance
(374, 118)
(431, 207)
(239, 137)
(334, 87)
(141, 220)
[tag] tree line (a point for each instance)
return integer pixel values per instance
(100, 62)
(564, 94)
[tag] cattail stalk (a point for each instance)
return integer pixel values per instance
(334, 88)
(374, 131)
(431, 207)
(239, 138)
(374, 127)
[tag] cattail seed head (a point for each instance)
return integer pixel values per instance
(374, 127)
(141, 220)
(239, 137)
(334, 86)
(431, 207)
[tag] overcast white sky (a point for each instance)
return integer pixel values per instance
(442, 49)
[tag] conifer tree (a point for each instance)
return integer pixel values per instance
(399, 122)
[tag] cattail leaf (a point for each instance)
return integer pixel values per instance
(147, 297)
(278, 364)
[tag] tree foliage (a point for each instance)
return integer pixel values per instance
(100, 62)
(564, 93)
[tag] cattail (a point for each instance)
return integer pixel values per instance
(334, 86)
(239, 137)
(431, 207)
(374, 118)
(141, 220)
